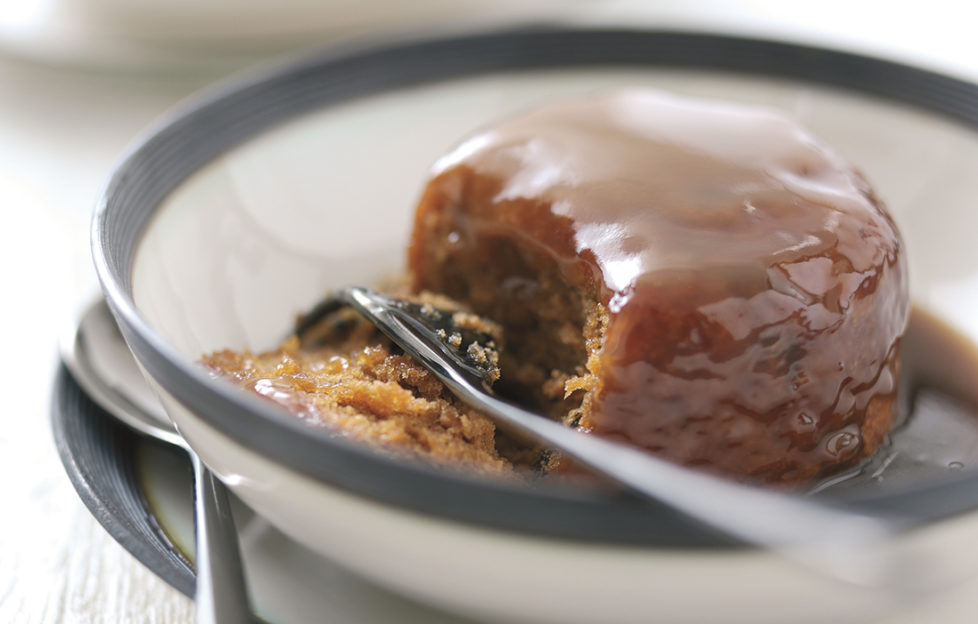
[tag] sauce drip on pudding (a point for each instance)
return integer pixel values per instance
(705, 281)
(937, 429)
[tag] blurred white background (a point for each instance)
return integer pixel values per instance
(80, 78)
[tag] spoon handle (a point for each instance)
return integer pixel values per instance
(221, 594)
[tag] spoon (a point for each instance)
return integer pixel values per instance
(839, 543)
(98, 358)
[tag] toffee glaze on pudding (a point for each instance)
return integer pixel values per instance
(701, 280)
(936, 429)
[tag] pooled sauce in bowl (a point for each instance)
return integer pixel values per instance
(936, 432)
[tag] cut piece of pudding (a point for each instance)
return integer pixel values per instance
(701, 280)
(348, 378)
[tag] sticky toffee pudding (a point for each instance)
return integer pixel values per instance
(701, 280)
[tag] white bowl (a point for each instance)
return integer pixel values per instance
(250, 202)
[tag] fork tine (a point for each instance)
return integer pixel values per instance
(457, 336)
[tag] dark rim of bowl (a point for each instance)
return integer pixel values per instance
(215, 122)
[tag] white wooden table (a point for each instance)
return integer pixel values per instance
(60, 132)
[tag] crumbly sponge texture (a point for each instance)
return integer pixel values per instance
(518, 285)
(363, 389)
